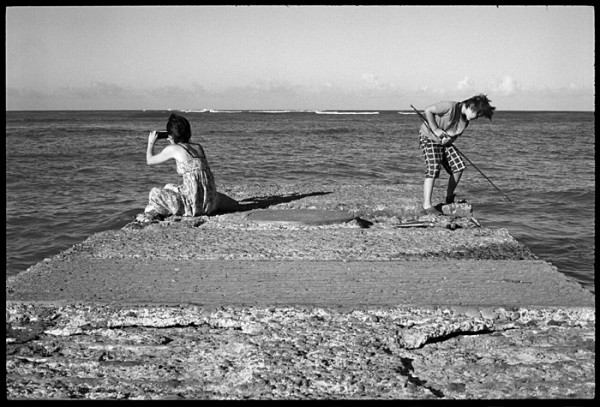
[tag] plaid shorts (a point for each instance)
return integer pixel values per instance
(437, 156)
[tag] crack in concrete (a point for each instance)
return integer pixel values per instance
(455, 334)
(406, 369)
(419, 336)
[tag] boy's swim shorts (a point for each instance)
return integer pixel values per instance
(436, 156)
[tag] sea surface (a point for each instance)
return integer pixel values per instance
(70, 174)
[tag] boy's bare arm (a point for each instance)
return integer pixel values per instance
(438, 135)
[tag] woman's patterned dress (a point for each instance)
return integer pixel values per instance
(196, 196)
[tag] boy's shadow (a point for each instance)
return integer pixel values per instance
(228, 204)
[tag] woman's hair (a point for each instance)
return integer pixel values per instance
(480, 104)
(179, 128)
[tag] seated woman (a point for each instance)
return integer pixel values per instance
(197, 195)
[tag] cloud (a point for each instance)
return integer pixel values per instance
(270, 94)
(466, 83)
(506, 86)
(433, 91)
(371, 80)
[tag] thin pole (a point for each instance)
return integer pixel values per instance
(424, 120)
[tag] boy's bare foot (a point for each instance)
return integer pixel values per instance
(432, 210)
(452, 199)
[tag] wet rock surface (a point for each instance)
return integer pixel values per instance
(222, 307)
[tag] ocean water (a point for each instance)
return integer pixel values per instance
(70, 174)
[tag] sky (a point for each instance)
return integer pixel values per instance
(298, 57)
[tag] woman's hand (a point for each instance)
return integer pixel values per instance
(152, 137)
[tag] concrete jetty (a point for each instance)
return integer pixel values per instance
(246, 305)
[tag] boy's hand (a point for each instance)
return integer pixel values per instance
(448, 140)
(439, 133)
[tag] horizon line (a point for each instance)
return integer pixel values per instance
(267, 110)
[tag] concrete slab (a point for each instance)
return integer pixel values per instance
(300, 216)
(482, 283)
(256, 310)
(116, 351)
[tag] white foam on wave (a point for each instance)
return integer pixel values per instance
(270, 111)
(338, 112)
(211, 111)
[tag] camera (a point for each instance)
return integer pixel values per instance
(162, 134)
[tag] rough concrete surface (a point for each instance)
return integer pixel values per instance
(222, 307)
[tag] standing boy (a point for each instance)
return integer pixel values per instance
(447, 120)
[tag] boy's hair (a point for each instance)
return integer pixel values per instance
(480, 104)
(179, 128)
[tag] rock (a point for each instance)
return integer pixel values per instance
(251, 328)
(373, 318)
(463, 210)
(488, 313)
(514, 316)
(472, 313)
(457, 387)
(459, 310)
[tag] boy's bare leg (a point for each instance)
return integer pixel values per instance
(427, 192)
(453, 182)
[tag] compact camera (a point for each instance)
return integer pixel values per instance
(162, 134)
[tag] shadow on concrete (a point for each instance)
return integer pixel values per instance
(229, 205)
